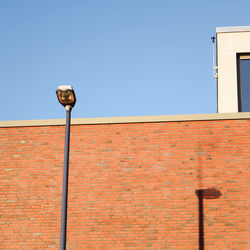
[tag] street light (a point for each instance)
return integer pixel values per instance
(66, 96)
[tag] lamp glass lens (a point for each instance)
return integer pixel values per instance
(66, 97)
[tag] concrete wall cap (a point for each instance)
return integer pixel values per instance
(232, 29)
(129, 119)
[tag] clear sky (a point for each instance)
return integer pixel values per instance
(123, 57)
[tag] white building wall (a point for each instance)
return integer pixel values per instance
(230, 41)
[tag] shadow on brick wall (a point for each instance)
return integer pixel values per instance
(209, 193)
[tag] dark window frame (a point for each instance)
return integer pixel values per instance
(240, 56)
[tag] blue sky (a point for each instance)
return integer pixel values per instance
(123, 57)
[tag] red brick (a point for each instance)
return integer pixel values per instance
(131, 186)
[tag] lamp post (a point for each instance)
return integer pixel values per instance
(66, 96)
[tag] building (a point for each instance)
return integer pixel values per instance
(158, 182)
(233, 63)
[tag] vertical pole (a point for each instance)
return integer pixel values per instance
(65, 181)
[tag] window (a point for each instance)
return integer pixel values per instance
(243, 63)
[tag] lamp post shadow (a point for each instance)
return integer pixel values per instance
(209, 193)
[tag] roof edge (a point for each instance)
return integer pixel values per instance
(232, 29)
(129, 119)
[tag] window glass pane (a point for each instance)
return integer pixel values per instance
(245, 84)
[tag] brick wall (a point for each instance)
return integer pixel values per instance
(131, 186)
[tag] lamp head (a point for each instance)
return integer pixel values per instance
(66, 95)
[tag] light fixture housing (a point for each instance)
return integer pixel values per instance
(66, 95)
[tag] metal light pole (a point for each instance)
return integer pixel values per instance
(66, 97)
